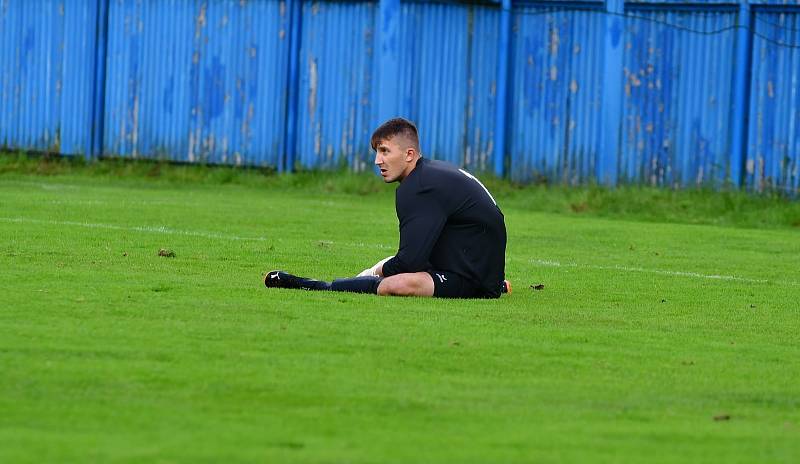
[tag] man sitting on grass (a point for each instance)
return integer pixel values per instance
(452, 233)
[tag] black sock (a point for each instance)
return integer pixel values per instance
(367, 284)
(312, 284)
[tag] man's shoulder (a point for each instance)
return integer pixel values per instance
(434, 175)
(438, 166)
(424, 182)
(430, 175)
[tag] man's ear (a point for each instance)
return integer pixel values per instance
(411, 153)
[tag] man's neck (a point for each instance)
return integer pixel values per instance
(411, 168)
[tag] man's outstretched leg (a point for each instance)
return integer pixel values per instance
(434, 283)
(281, 279)
(410, 284)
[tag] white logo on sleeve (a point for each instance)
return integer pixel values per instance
(479, 183)
(441, 277)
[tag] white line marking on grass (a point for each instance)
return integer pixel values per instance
(364, 245)
(147, 229)
(542, 262)
(42, 185)
(167, 230)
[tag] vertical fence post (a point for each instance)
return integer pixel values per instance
(741, 94)
(502, 88)
(387, 58)
(287, 161)
(607, 158)
(95, 148)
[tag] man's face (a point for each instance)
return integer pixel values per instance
(394, 158)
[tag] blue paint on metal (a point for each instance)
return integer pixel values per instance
(444, 79)
(776, 6)
(568, 94)
(607, 164)
(678, 98)
(556, 94)
(46, 75)
(293, 86)
(434, 82)
(388, 58)
(483, 90)
(448, 84)
(335, 107)
(741, 95)
(681, 4)
(99, 86)
(200, 81)
(773, 157)
(502, 88)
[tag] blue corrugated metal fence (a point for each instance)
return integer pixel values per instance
(670, 93)
(47, 66)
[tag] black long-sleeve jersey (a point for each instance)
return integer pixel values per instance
(449, 222)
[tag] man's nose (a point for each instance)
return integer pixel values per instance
(378, 158)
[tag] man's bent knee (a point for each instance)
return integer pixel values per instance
(412, 284)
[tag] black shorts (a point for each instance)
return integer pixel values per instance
(448, 284)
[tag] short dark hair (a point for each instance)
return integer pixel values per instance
(393, 127)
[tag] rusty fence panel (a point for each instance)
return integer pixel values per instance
(447, 84)
(660, 92)
(47, 69)
(678, 97)
(556, 93)
(335, 64)
(773, 151)
(197, 81)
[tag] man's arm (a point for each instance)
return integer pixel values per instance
(421, 221)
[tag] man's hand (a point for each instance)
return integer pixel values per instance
(376, 270)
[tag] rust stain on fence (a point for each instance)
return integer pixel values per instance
(312, 87)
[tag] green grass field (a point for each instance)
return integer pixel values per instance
(651, 341)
